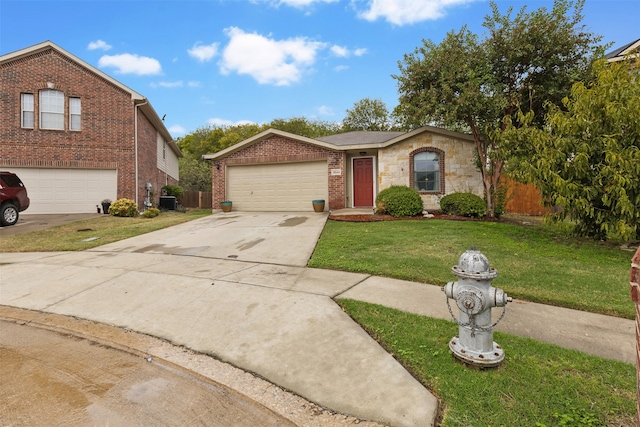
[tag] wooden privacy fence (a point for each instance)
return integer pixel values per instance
(523, 199)
(197, 199)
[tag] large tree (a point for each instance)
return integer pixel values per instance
(477, 85)
(368, 114)
(587, 160)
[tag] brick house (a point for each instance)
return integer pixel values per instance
(280, 171)
(76, 136)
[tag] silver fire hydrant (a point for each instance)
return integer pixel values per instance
(475, 297)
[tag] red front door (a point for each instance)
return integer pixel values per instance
(363, 182)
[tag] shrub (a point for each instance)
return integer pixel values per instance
(151, 213)
(399, 201)
(124, 207)
(463, 204)
(173, 190)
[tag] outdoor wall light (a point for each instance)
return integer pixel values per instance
(217, 166)
(362, 153)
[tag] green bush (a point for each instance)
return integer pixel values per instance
(399, 201)
(124, 207)
(463, 204)
(173, 190)
(151, 213)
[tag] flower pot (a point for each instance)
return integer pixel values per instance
(318, 205)
(226, 206)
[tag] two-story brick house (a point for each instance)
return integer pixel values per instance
(76, 136)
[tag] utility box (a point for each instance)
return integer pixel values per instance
(168, 203)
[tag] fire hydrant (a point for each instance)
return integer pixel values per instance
(475, 297)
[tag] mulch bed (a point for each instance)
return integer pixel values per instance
(377, 218)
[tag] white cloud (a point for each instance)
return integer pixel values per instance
(301, 3)
(403, 12)
(99, 44)
(343, 52)
(127, 63)
(178, 83)
(360, 51)
(268, 61)
(177, 130)
(340, 51)
(325, 110)
(194, 83)
(203, 53)
(223, 122)
(341, 68)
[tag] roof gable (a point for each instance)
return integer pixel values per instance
(138, 99)
(341, 142)
(265, 135)
(622, 52)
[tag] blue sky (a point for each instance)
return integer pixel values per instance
(235, 61)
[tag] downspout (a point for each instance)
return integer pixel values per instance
(135, 138)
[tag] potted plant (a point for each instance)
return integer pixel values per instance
(106, 203)
(226, 205)
(318, 205)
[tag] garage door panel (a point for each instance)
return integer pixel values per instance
(277, 187)
(67, 190)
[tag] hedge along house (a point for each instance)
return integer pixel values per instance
(76, 136)
(280, 171)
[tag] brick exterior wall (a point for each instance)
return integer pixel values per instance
(276, 149)
(106, 140)
(634, 280)
(460, 172)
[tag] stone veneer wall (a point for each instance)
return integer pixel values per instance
(461, 174)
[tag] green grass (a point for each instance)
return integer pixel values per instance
(537, 263)
(107, 229)
(537, 384)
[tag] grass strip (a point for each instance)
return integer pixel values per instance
(76, 236)
(538, 384)
(536, 263)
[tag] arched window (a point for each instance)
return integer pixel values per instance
(427, 170)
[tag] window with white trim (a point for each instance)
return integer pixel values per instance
(51, 109)
(74, 114)
(26, 110)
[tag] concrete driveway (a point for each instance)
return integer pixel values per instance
(265, 237)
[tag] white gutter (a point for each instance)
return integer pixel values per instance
(135, 138)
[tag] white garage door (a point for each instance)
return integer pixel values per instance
(67, 190)
(285, 187)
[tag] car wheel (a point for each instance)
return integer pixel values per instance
(8, 214)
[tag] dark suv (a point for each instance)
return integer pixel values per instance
(13, 198)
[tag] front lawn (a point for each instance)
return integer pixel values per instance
(537, 385)
(89, 233)
(535, 262)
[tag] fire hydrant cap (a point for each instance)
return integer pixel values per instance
(473, 264)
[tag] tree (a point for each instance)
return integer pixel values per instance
(479, 86)
(588, 159)
(195, 174)
(368, 114)
(305, 127)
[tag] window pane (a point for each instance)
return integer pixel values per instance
(52, 121)
(426, 169)
(51, 109)
(26, 101)
(74, 113)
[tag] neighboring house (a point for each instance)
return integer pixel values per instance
(280, 171)
(630, 50)
(76, 136)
